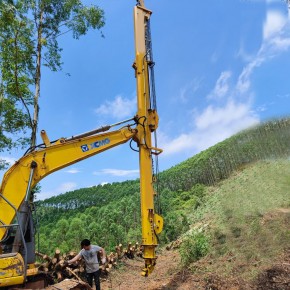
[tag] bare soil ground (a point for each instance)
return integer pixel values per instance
(168, 275)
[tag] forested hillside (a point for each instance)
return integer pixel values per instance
(267, 141)
(110, 214)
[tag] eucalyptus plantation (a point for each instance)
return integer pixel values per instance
(29, 39)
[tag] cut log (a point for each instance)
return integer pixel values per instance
(46, 258)
(39, 255)
(129, 246)
(82, 269)
(53, 261)
(57, 254)
(74, 274)
(72, 255)
(59, 276)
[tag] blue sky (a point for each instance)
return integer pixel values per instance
(221, 66)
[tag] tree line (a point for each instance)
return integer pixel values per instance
(266, 141)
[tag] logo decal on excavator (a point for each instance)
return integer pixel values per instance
(97, 144)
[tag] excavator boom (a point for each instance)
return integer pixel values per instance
(152, 223)
(31, 168)
(20, 179)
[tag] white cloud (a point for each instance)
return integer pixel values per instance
(244, 55)
(244, 80)
(261, 108)
(285, 96)
(276, 39)
(280, 43)
(273, 24)
(223, 116)
(67, 186)
(175, 145)
(117, 172)
(120, 107)
(73, 171)
(216, 123)
(64, 187)
(9, 160)
(214, 57)
(189, 89)
(212, 125)
(222, 86)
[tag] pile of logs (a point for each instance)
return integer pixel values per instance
(58, 268)
(130, 251)
(174, 245)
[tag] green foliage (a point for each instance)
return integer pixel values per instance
(176, 224)
(175, 208)
(56, 18)
(198, 190)
(115, 219)
(16, 74)
(29, 34)
(194, 246)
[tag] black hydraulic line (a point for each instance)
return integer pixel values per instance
(36, 225)
(151, 63)
(86, 134)
(99, 130)
(132, 146)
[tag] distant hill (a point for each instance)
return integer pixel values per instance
(110, 214)
(266, 141)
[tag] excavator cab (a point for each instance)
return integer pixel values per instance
(17, 254)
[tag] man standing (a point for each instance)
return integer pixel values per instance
(90, 254)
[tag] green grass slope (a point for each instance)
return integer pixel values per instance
(244, 222)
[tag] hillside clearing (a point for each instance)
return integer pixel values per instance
(168, 275)
(246, 219)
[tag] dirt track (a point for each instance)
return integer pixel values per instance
(168, 276)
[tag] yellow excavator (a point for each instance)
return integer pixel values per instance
(17, 243)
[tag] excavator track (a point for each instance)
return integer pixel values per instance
(68, 284)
